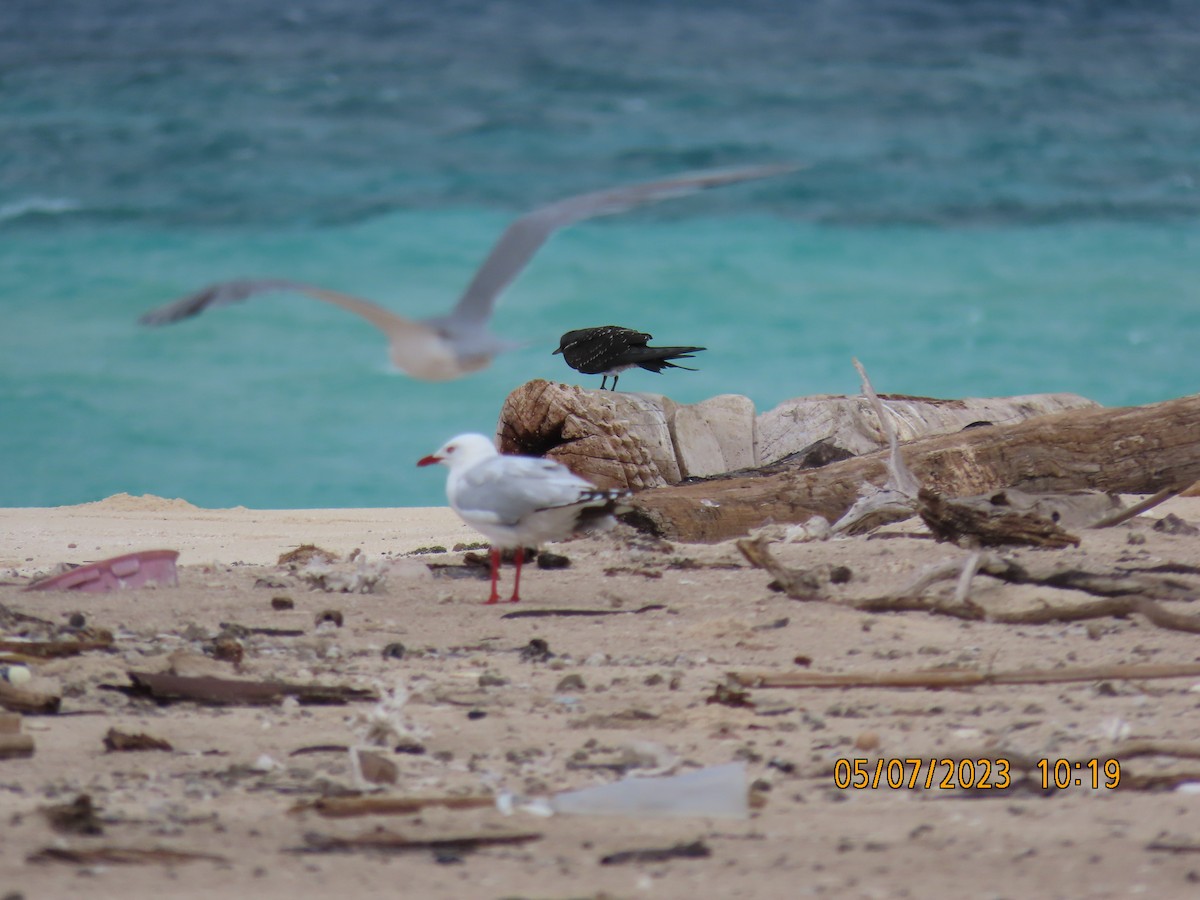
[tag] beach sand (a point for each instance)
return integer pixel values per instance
(473, 715)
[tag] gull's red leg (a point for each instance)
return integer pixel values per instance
(518, 557)
(495, 598)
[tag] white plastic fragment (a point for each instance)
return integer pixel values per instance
(718, 791)
(15, 675)
(265, 764)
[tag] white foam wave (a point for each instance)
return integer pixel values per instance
(37, 206)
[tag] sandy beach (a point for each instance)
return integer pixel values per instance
(637, 685)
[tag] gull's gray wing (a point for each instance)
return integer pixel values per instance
(421, 349)
(506, 489)
(523, 237)
(226, 293)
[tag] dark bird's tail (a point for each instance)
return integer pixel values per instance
(655, 359)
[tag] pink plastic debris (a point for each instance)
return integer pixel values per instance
(120, 573)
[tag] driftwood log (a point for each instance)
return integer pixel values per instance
(642, 440)
(1135, 450)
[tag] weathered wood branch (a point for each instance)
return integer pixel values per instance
(345, 807)
(1136, 450)
(897, 499)
(1122, 594)
(31, 702)
(640, 440)
(959, 678)
(989, 521)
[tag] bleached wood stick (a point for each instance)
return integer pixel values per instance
(949, 678)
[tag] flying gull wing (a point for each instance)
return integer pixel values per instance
(521, 240)
(226, 293)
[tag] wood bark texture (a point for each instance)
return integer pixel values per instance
(637, 441)
(1137, 450)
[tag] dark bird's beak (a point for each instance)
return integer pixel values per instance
(559, 350)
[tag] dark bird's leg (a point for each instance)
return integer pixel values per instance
(518, 557)
(603, 382)
(495, 598)
(615, 377)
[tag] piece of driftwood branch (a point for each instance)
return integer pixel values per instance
(1170, 844)
(16, 746)
(95, 856)
(211, 691)
(1130, 450)
(1147, 747)
(125, 742)
(959, 678)
(691, 850)
(799, 584)
(642, 440)
(1124, 515)
(989, 521)
(381, 840)
(78, 816)
(962, 590)
(900, 477)
(1121, 751)
(896, 499)
(1158, 781)
(1102, 584)
(1117, 607)
(56, 649)
(346, 807)
(1124, 593)
(558, 613)
(31, 702)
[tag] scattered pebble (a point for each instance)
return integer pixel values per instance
(376, 769)
(867, 740)
(1172, 524)
(537, 650)
(228, 649)
(329, 615)
(572, 682)
(547, 560)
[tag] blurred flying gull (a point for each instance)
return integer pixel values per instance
(610, 350)
(452, 345)
(519, 501)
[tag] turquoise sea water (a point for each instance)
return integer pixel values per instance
(1000, 198)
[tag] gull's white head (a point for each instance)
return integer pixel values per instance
(461, 452)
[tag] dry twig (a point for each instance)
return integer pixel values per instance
(344, 807)
(1137, 509)
(1123, 594)
(959, 678)
(896, 499)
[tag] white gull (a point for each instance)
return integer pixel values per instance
(519, 501)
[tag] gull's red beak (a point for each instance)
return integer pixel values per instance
(429, 460)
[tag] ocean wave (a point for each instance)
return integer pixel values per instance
(37, 206)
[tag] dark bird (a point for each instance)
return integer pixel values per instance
(459, 342)
(611, 349)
